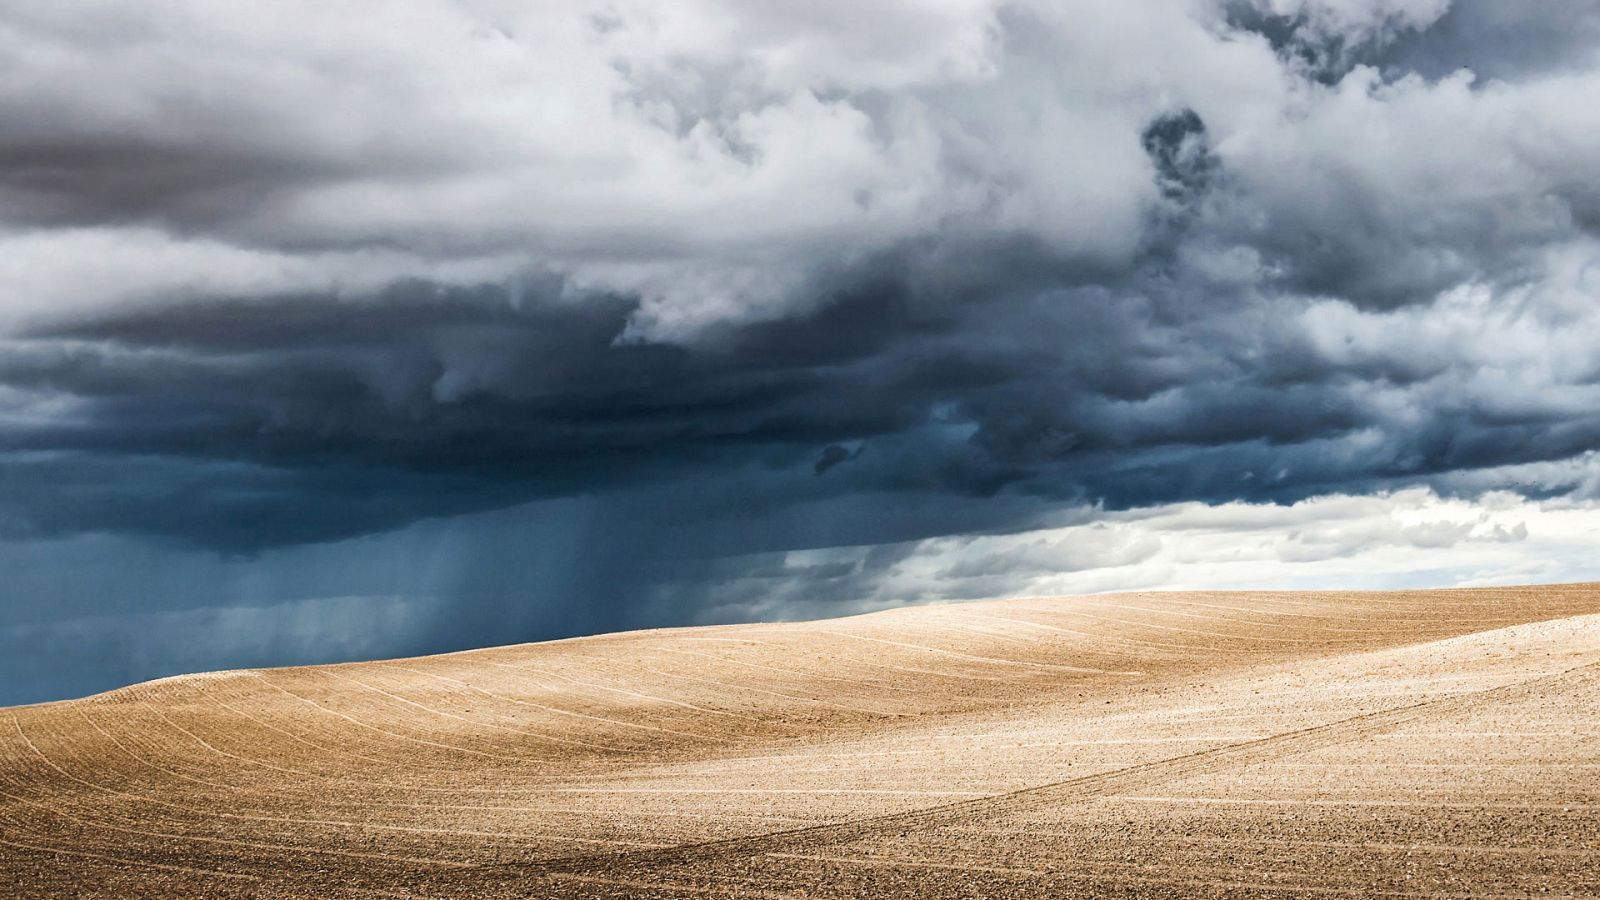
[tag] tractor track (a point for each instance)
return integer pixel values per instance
(1088, 787)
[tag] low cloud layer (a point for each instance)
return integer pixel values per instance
(1412, 538)
(745, 279)
(122, 611)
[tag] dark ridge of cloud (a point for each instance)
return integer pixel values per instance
(1180, 148)
(297, 419)
(832, 455)
(939, 274)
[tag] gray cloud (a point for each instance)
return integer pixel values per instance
(981, 265)
(1500, 41)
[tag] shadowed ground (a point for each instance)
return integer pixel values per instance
(1417, 743)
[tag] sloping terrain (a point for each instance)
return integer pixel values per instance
(1416, 743)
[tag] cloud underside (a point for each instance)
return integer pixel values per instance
(123, 612)
(831, 275)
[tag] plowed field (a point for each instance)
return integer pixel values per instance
(1418, 743)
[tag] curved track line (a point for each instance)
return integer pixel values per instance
(410, 740)
(202, 814)
(558, 710)
(749, 689)
(336, 780)
(852, 682)
(409, 767)
(102, 824)
(480, 723)
(986, 629)
(1200, 800)
(1109, 872)
(659, 886)
(527, 667)
(129, 861)
(1375, 632)
(858, 661)
(1086, 788)
(1140, 644)
(1232, 620)
(992, 660)
(1259, 841)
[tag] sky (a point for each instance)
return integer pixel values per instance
(338, 330)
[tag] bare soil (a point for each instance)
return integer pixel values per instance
(1426, 743)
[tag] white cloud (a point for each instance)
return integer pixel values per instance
(1409, 538)
(712, 155)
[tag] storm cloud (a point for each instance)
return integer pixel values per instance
(743, 279)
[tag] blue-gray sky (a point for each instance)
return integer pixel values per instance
(342, 330)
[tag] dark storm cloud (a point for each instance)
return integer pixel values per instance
(833, 455)
(1180, 150)
(303, 419)
(651, 285)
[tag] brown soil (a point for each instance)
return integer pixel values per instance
(1242, 744)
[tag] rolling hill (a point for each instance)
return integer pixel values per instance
(1409, 743)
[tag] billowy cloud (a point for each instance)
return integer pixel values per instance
(768, 278)
(1411, 538)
